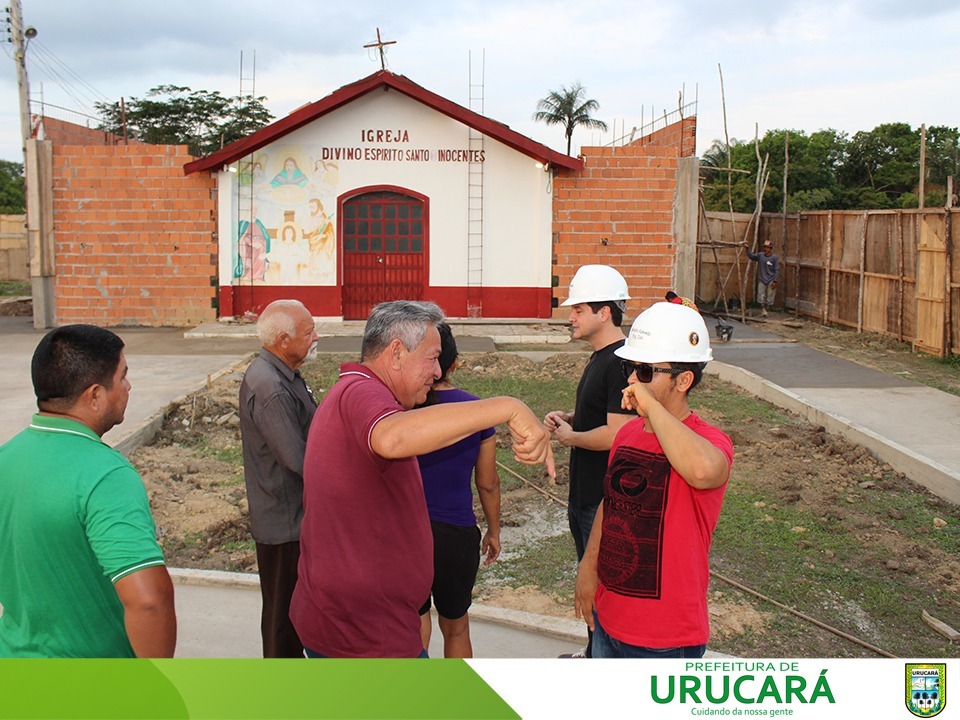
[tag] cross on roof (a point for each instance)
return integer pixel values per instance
(379, 44)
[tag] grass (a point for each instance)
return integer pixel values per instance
(14, 288)
(835, 569)
(548, 564)
(731, 406)
(824, 564)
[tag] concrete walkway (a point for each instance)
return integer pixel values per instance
(910, 426)
(218, 615)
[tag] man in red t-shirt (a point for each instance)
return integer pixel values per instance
(366, 548)
(642, 584)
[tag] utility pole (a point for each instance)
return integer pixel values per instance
(37, 165)
(20, 58)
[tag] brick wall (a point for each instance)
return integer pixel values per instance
(618, 211)
(135, 238)
(61, 132)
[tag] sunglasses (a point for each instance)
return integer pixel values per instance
(645, 371)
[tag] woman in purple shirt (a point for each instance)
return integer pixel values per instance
(457, 544)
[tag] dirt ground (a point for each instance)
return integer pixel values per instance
(194, 479)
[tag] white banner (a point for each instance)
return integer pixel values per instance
(727, 688)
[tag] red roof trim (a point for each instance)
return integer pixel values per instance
(383, 78)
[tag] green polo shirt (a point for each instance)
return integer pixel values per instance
(74, 519)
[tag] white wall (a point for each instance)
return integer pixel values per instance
(517, 203)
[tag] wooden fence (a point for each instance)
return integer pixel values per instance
(894, 272)
(13, 248)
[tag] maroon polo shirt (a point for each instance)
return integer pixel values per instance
(366, 549)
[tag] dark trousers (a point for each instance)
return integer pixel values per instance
(581, 523)
(278, 577)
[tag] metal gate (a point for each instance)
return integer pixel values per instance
(384, 250)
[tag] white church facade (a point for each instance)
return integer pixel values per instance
(383, 190)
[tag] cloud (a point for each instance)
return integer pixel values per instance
(794, 63)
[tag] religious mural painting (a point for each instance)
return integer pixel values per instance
(286, 230)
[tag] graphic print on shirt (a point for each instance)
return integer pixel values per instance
(631, 546)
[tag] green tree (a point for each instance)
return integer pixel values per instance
(173, 115)
(13, 196)
(885, 161)
(568, 107)
(812, 173)
(943, 161)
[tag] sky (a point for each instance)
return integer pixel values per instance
(802, 65)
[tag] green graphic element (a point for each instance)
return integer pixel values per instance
(245, 689)
(107, 689)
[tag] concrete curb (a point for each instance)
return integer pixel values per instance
(146, 430)
(940, 480)
(562, 628)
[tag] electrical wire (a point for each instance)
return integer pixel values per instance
(739, 586)
(46, 62)
(91, 90)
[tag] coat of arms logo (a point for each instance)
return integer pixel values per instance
(926, 689)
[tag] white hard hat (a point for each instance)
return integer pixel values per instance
(667, 332)
(596, 283)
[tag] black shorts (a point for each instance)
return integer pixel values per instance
(456, 559)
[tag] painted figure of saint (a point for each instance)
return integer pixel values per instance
(290, 175)
(319, 230)
(326, 172)
(292, 256)
(252, 248)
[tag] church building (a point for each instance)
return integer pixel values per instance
(380, 191)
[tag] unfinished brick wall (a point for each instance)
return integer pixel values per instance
(618, 211)
(61, 132)
(135, 238)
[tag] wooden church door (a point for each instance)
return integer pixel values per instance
(384, 250)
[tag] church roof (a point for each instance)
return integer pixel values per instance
(386, 80)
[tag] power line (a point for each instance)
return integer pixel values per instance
(52, 73)
(46, 61)
(94, 91)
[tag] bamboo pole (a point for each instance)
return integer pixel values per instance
(923, 162)
(783, 230)
(796, 270)
(726, 139)
(900, 274)
(825, 313)
(716, 258)
(760, 187)
(917, 238)
(948, 275)
(863, 267)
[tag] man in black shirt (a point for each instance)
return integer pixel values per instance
(276, 407)
(597, 300)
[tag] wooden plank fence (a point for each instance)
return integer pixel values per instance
(13, 248)
(893, 272)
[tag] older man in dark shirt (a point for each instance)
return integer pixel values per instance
(276, 407)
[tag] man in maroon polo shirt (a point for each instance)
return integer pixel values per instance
(366, 549)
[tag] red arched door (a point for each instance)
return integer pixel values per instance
(384, 250)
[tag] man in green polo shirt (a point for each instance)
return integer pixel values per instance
(81, 574)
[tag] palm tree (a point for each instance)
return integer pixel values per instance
(568, 107)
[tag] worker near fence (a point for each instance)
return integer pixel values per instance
(597, 301)
(768, 270)
(642, 584)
